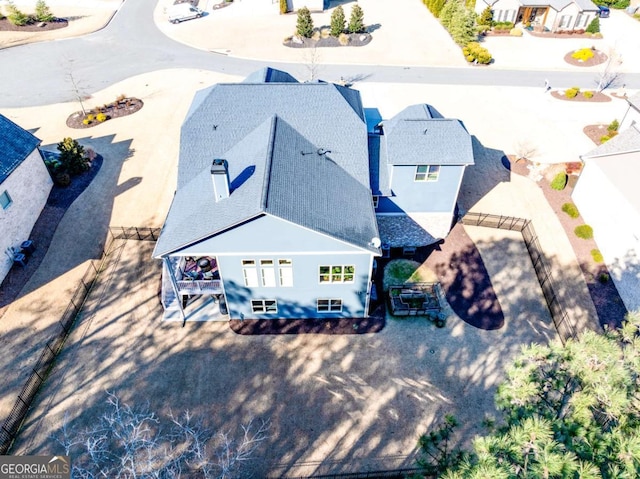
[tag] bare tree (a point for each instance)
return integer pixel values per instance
(75, 87)
(525, 150)
(131, 442)
(609, 76)
(312, 62)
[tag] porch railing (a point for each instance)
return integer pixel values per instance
(210, 286)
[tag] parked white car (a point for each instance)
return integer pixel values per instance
(183, 11)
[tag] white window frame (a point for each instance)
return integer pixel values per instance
(249, 273)
(565, 21)
(264, 306)
(336, 274)
(285, 272)
(329, 305)
(5, 200)
(429, 173)
(268, 273)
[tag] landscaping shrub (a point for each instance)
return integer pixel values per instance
(356, 20)
(62, 179)
(503, 26)
(284, 7)
(559, 182)
(597, 256)
(447, 12)
(572, 92)
(344, 39)
(100, 117)
(571, 210)
(475, 52)
(304, 26)
(604, 278)
(486, 17)
(72, 156)
(515, 32)
(463, 26)
(587, 94)
(43, 14)
(338, 21)
(583, 54)
(16, 16)
(594, 26)
(584, 231)
(325, 33)
(613, 126)
(604, 139)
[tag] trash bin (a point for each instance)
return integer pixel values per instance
(28, 247)
(21, 259)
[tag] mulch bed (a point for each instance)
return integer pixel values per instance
(117, 109)
(7, 26)
(249, 327)
(465, 280)
(355, 40)
(596, 132)
(607, 301)
(562, 35)
(597, 59)
(598, 97)
(42, 233)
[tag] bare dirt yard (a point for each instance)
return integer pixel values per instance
(336, 403)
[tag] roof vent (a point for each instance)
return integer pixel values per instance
(220, 178)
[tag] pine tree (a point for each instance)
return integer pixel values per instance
(486, 17)
(463, 26)
(16, 16)
(437, 7)
(304, 27)
(72, 156)
(356, 20)
(43, 14)
(447, 12)
(594, 26)
(338, 21)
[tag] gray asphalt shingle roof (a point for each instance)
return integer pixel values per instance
(419, 135)
(16, 144)
(296, 151)
(634, 101)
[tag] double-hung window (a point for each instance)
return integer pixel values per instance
(427, 172)
(285, 272)
(267, 272)
(249, 273)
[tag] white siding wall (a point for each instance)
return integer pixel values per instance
(616, 227)
(312, 5)
(29, 186)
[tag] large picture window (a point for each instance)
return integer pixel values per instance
(337, 274)
(329, 305)
(264, 306)
(427, 172)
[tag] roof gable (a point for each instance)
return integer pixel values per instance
(16, 144)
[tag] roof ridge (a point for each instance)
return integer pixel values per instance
(266, 180)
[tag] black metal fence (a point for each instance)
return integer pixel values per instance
(541, 265)
(39, 372)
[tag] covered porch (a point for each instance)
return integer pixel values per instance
(533, 16)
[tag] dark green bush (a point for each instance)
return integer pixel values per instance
(604, 278)
(571, 210)
(43, 14)
(356, 20)
(62, 179)
(16, 16)
(338, 21)
(613, 126)
(597, 256)
(584, 231)
(559, 182)
(72, 156)
(304, 26)
(594, 26)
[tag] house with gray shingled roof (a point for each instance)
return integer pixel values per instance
(24, 188)
(280, 194)
(606, 195)
(542, 15)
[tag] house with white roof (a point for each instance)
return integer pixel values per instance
(542, 15)
(25, 185)
(284, 198)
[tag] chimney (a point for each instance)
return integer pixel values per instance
(220, 178)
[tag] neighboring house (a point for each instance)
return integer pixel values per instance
(632, 115)
(24, 188)
(313, 5)
(606, 195)
(543, 15)
(274, 209)
(418, 159)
